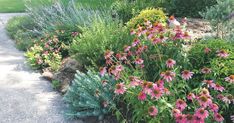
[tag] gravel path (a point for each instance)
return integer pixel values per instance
(24, 96)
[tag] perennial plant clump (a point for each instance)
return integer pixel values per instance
(155, 78)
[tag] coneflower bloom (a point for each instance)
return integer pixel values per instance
(170, 63)
(202, 113)
(134, 81)
(222, 53)
(204, 101)
(207, 50)
(108, 54)
(232, 118)
(186, 35)
(168, 76)
(156, 93)
(191, 96)
(220, 96)
(120, 88)
(186, 74)
(153, 111)
(214, 107)
(148, 88)
(135, 42)
(197, 119)
(181, 104)
(218, 117)
(210, 83)
(180, 118)
(102, 71)
(230, 79)
(206, 70)
(218, 87)
(142, 96)
(139, 61)
(127, 48)
(132, 32)
(228, 99)
(189, 118)
(175, 112)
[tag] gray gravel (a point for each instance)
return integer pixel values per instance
(24, 96)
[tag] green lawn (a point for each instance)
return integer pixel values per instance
(9, 6)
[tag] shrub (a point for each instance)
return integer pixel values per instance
(20, 28)
(126, 9)
(176, 91)
(96, 99)
(151, 15)
(89, 47)
(218, 17)
(188, 8)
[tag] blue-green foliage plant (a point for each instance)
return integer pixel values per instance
(90, 95)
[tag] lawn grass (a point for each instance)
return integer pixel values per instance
(10, 6)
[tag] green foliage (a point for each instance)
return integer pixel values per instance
(218, 17)
(90, 95)
(90, 46)
(188, 8)
(151, 15)
(126, 9)
(56, 84)
(20, 29)
(46, 52)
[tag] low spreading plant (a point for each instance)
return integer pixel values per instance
(90, 95)
(89, 47)
(170, 92)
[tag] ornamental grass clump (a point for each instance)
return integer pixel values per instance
(157, 82)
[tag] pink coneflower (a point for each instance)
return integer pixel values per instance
(191, 96)
(134, 81)
(206, 70)
(218, 117)
(166, 91)
(168, 76)
(170, 63)
(230, 79)
(127, 48)
(218, 87)
(135, 42)
(232, 118)
(214, 107)
(176, 112)
(156, 93)
(178, 35)
(186, 74)
(153, 111)
(228, 99)
(197, 119)
(202, 113)
(108, 54)
(102, 71)
(181, 104)
(120, 88)
(222, 53)
(173, 22)
(186, 35)
(207, 50)
(204, 101)
(142, 96)
(139, 61)
(210, 83)
(132, 32)
(156, 41)
(189, 118)
(148, 88)
(220, 96)
(160, 83)
(180, 118)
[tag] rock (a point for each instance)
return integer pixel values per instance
(66, 73)
(48, 75)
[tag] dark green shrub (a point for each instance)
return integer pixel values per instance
(90, 46)
(151, 15)
(90, 95)
(188, 8)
